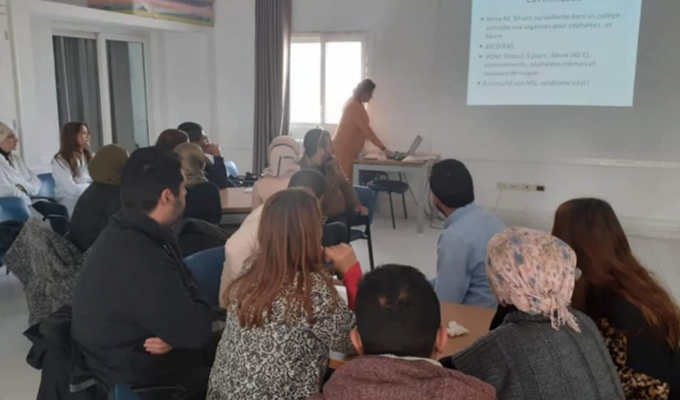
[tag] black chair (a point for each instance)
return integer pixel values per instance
(367, 198)
(380, 182)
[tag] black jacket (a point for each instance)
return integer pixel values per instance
(134, 286)
(94, 209)
(64, 376)
(203, 202)
(216, 172)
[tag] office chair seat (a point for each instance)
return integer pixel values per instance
(206, 267)
(389, 186)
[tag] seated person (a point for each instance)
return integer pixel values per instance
(283, 313)
(634, 312)
(69, 166)
(243, 243)
(545, 349)
(398, 337)
(340, 199)
(101, 200)
(215, 169)
(461, 250)
(137, 311)
(203, 197)
(16, 180)
(284, 154)
(171, 138)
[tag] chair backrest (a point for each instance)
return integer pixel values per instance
(367, 199)
(232, 170)
(47, 188)
(122, 392)
(206, 267)
(14, 209)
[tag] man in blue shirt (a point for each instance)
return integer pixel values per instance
(461, 251)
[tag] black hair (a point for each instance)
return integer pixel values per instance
(171, 138)
(147, 173)
(397, 312)
(313, 140)
(194, 130)
(309, 179)
(452, 183)
(365, 86)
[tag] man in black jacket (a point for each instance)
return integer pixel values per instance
(215, 170)
(138, 315)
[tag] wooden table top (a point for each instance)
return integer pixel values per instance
(415, 163)
(236, 201)
(476, 320)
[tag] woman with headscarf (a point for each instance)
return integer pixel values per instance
(101, 200)
(203, 198)
(544, 349)
(284, 153)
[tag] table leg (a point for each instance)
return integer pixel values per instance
(423, 176)
(355, 179)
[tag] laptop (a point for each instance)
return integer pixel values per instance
(411, 151)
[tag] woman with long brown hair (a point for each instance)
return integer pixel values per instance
(69, 166)
(283, 313)
(637, 316)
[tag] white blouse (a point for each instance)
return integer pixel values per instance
(17, 173)
(68, 188)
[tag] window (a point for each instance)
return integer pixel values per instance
(101, 80)
(324, 70)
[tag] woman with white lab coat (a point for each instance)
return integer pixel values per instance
(69, 166)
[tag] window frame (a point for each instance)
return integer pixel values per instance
(103, 70)
(298, 129)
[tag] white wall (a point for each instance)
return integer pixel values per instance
(234, 54)
(179, 68)
(418, 55)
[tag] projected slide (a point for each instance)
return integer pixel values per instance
(553, 52)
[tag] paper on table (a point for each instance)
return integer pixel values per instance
(455, 329)
(419, 158)
(248, 190)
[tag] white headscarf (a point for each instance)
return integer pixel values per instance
(4, 132)
(284, 153)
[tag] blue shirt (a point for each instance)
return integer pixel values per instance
(461, 257)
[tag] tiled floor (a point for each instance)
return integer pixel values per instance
(18, 381)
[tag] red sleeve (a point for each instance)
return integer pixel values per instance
(351, 280)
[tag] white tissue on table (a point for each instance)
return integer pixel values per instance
(456, 329)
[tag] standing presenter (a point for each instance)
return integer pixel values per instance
(355, 129)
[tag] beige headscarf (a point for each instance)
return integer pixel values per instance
(106, 167)
(535, 272)
(193, 163)
(284, 154)
(5, 131)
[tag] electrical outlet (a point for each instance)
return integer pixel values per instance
(520, 187)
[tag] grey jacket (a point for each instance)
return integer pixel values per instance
(525, 358)
(48, 266)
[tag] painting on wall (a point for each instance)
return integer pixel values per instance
(199, 12)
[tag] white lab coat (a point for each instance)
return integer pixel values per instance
(68, 188)
(17, 173)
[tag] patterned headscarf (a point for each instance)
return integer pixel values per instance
(284, 154)
(535, 272)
